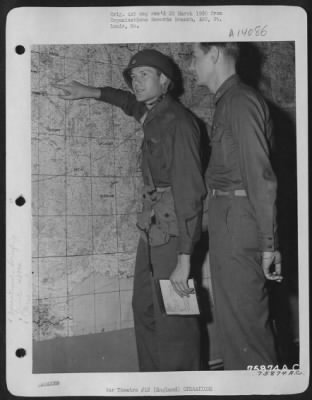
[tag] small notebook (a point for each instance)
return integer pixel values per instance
(173, 304)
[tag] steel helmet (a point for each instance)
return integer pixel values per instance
(151, 58)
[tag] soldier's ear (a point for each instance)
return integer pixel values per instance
(215, 53)
(164, 81)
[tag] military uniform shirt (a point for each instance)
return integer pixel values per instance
(240, 153)
(171, 149)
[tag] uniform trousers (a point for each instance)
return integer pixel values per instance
(164, 343)
(239, 286)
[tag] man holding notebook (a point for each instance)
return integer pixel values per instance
(172, 199)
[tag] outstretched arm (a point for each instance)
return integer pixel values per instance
(117, 97)
(76, 90)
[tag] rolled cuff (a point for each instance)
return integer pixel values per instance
(189, 234)
(268, 242)
(185, 246)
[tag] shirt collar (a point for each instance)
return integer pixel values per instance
(226, 85)
(158, 108)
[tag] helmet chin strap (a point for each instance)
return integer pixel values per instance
(152, 103)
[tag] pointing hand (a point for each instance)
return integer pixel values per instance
(76, 90)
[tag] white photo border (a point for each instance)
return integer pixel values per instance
(34, 26)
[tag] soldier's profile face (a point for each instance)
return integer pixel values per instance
(146, 83)
(201, 65)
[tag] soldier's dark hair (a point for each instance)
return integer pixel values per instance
(231, 49)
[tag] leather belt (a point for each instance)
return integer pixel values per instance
(237, 192)
(161, 189)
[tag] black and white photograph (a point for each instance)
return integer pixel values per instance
(166, 197)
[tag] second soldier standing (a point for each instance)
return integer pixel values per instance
(242, 209)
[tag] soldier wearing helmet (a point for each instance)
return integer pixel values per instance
(172, 205)
(152, 59)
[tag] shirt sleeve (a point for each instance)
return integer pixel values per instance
(187, 184)
(252, 127)
(124, 100)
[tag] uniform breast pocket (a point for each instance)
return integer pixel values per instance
(157, 161)
(224, 148)
(217, 156)
(154, 146)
